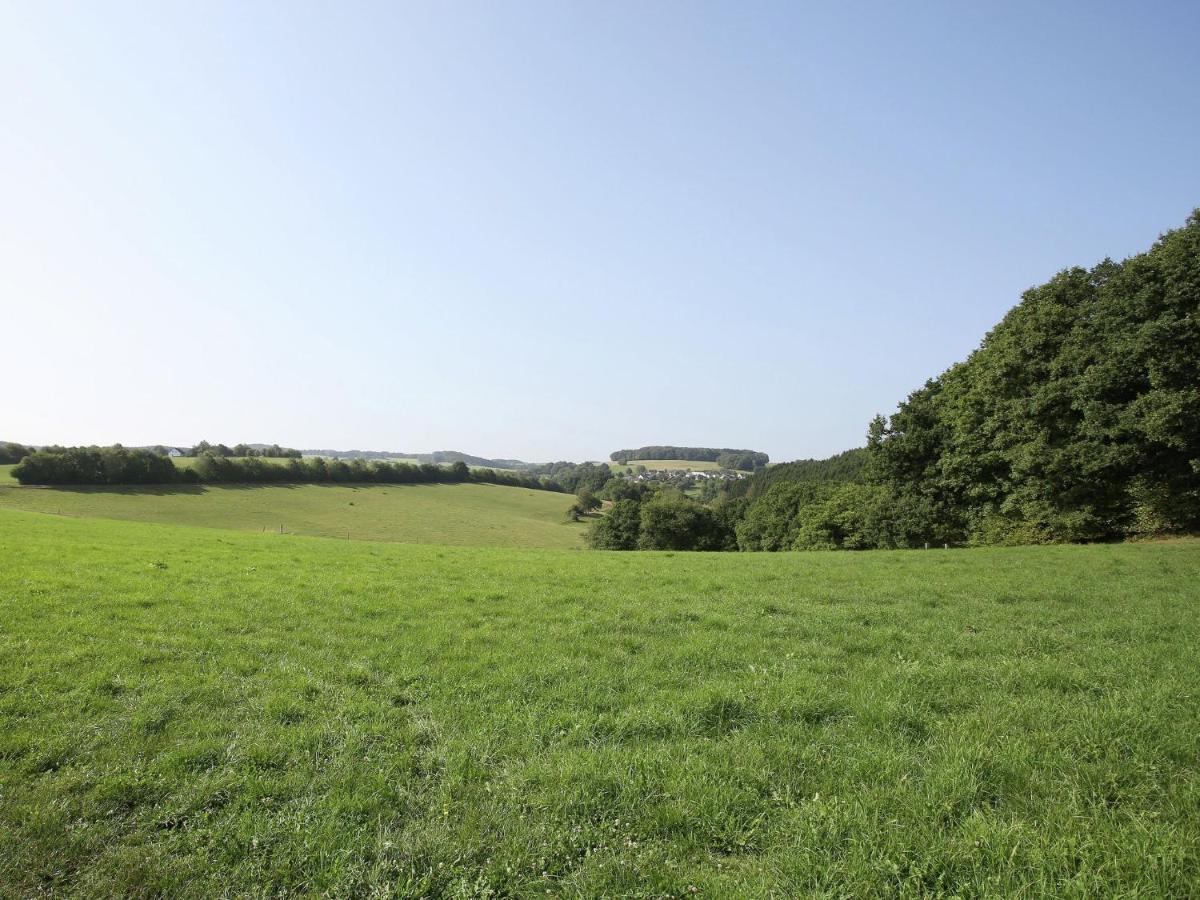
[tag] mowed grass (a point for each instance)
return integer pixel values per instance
(455, 514)
(195, 713)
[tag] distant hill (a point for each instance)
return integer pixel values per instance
(436, 457)
(450, 456)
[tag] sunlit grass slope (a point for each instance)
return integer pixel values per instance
(195, 713)
(459, 514)
(6, 474)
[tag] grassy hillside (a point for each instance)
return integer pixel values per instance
(458, 514)
(196, 713)
(6, 474)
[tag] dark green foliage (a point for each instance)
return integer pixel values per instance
(270, 451)
(585, 504)
(844, 467)
(772, 520)
(667, 521)
(727, 513)
(626, 489)
(742, 460)
(748, 459)
(619, 529)
(1077, 419)
(673, 522)
(13, 453)
(570, 477)
(95, 465)
(867, 516)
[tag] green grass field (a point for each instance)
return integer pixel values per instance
(6, 474)
(199, 713)
(455, 514)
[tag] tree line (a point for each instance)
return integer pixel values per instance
(270, 451)
(572, 477)
(119, 465)
(664, 520)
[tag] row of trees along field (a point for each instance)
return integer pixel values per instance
(1077, 419)
(122, 466)
(269, 451)
(14, 453)
(746, 460)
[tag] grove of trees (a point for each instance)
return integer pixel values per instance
(95, 465)
(13, 453)
(1077, 419)
(270, 451)
(666, 520)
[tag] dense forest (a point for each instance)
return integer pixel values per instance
(846, 466)
(1078, 418)
(724, 457)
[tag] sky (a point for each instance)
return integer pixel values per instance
(552, 230)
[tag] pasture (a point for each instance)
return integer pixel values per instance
(6, 474)
(202, 713)
(454, 514)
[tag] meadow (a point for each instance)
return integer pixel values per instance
(203, 713)
(453, 514)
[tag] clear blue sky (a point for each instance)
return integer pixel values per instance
(551, 230)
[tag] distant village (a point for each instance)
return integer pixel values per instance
(683, 477)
